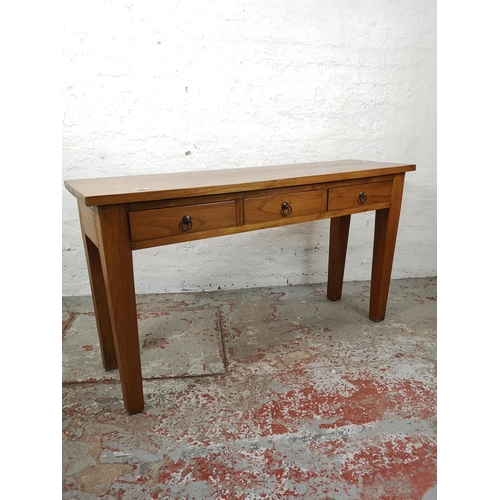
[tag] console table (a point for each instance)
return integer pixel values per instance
(122, 214)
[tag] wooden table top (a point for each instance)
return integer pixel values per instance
(140, 188)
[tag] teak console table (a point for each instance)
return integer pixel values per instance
(122, 214)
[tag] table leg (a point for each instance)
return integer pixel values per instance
(118, 272)
(339, 233)
(386, 228)
(101, 309)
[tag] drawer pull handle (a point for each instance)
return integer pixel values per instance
(286, 209)
(362, 197)
(186, 223)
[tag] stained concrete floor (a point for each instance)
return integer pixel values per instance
(260, 393)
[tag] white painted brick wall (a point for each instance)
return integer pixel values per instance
(153, 87)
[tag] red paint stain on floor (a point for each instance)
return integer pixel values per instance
(403, 466)
(365, 401)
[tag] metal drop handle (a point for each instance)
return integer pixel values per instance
(362, 197)
(286, 209)
(186, 224)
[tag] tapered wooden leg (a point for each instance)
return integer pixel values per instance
(117, 265)
(386, 228)
(339, 234)
(101, 309)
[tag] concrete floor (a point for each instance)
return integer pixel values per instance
(260, 393)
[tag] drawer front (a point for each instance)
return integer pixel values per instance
(359, 195)
(282, 206)
(186, 219)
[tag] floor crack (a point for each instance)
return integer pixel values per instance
(67, 324)
(220, 324)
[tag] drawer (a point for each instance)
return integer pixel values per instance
(283, 206)
(359, 195)
(186, 219)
